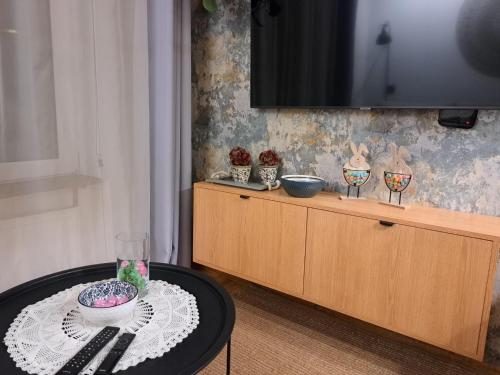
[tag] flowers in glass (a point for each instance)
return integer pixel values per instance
(134, 272)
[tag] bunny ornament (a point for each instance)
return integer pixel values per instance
(399, 174)
(356, 171)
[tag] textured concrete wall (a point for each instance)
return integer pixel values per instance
(455, 169)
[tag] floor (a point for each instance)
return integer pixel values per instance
(276, 334)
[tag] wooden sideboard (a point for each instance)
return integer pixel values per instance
(424, 272)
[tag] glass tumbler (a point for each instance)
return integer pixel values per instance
(132, 259)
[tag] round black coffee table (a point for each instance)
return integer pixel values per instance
(215, 306)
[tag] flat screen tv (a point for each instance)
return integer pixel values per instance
(375, 53)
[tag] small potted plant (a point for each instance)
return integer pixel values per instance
(269, 162)
(241, 164)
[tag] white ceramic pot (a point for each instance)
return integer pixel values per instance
(241, 173)
(268, 174)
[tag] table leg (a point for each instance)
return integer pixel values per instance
(228, 359)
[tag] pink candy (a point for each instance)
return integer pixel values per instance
(141, 268)
(101, 302)
(120, 300)
(110, 301)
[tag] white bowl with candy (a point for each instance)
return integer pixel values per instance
(107, 302)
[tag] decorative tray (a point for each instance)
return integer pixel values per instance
(230, 182)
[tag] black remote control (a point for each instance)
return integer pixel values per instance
(85, 355)
(114, 355)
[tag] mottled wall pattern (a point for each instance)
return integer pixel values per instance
(455, 169)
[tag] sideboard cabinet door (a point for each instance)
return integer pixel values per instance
(257, 239)
(440, 288)
(426, 284)
(348, 259)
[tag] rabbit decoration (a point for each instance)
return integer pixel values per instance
(398, 159)
(357, 171)
(399, 174)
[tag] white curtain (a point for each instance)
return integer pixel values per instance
(74, 132)
(170, 109)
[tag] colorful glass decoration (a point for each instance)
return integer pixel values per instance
(356, 171)
(399, 174)
(132, 261)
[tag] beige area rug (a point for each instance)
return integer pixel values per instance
(275, 334)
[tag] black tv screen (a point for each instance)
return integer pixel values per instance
(375, 53)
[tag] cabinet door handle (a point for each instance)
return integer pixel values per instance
(244, 197)
(386, 223)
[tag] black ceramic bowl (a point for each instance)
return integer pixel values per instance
(302, 186)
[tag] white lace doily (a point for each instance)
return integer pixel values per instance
(45, 335)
